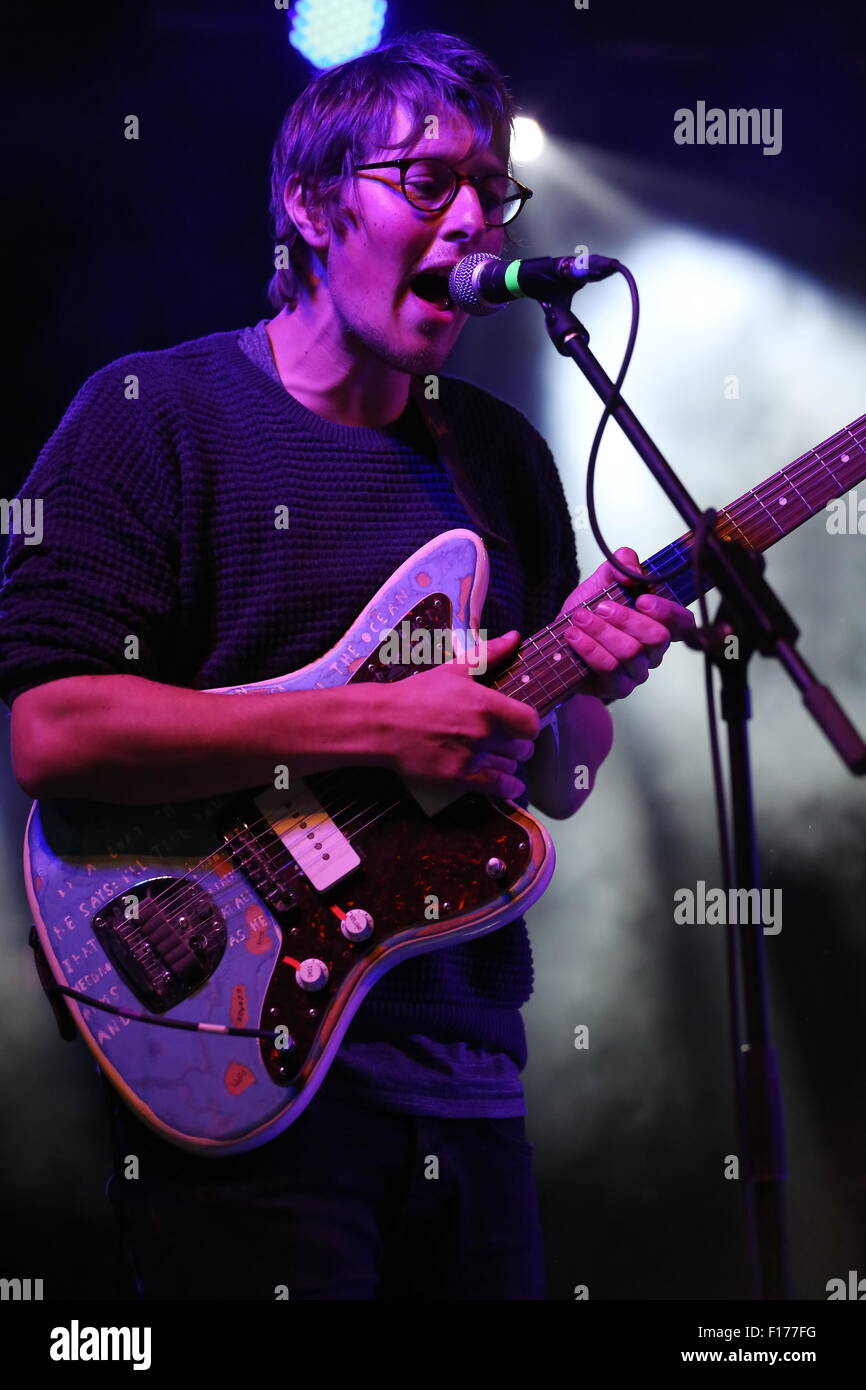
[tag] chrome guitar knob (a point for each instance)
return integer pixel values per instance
(496, 867)
(312, 974)
(357, 925)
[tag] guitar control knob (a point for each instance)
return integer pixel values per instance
(357, 925)
(312, 974)
(496, 867)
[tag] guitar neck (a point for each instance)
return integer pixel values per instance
(546, 670)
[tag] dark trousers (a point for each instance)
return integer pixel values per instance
(347, 1203)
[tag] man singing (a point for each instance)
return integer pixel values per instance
(160, 487)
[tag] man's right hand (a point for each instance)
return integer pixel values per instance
(443, 725)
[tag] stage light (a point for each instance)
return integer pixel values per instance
(328, 32)
(528, 140)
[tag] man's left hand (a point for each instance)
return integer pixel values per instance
(621, 645)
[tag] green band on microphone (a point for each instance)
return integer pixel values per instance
(511, 273)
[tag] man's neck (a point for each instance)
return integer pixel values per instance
(326, 380)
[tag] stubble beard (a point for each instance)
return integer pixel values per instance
(429, 357)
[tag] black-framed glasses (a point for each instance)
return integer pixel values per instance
(430, 185)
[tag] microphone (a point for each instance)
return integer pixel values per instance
(481, 284)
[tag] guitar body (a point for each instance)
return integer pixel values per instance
(274, 910)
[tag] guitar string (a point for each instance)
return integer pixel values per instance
(812, 467)
(513, 680)
(189, 893)
(750, 506)
(511, 683)
(811, 470)
(185, 894)
(543, 645)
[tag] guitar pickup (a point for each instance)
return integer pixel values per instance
(315, 842)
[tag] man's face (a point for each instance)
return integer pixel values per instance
(387, 242)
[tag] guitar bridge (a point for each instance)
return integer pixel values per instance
(165, 938)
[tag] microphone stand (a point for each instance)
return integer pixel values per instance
(751, 609)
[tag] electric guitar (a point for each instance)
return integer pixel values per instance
(253, 925)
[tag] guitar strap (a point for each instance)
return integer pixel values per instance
(446, 447)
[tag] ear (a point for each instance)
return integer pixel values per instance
(307, 215)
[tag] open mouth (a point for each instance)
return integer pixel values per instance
(432, 287)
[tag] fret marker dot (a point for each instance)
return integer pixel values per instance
(844, 458)
(524, 679)
(557, 656)
(782, 501)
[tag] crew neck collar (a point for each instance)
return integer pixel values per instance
(261, 360)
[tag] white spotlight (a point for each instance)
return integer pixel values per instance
(528, 140)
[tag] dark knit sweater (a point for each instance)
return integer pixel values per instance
(159, 491)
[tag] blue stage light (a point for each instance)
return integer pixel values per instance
(328, 32)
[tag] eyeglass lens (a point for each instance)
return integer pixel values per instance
(429, 184)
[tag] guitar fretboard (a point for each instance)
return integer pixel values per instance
(547, 670)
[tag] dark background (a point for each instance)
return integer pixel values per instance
(118, 246)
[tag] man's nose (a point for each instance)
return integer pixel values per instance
(465, 212)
